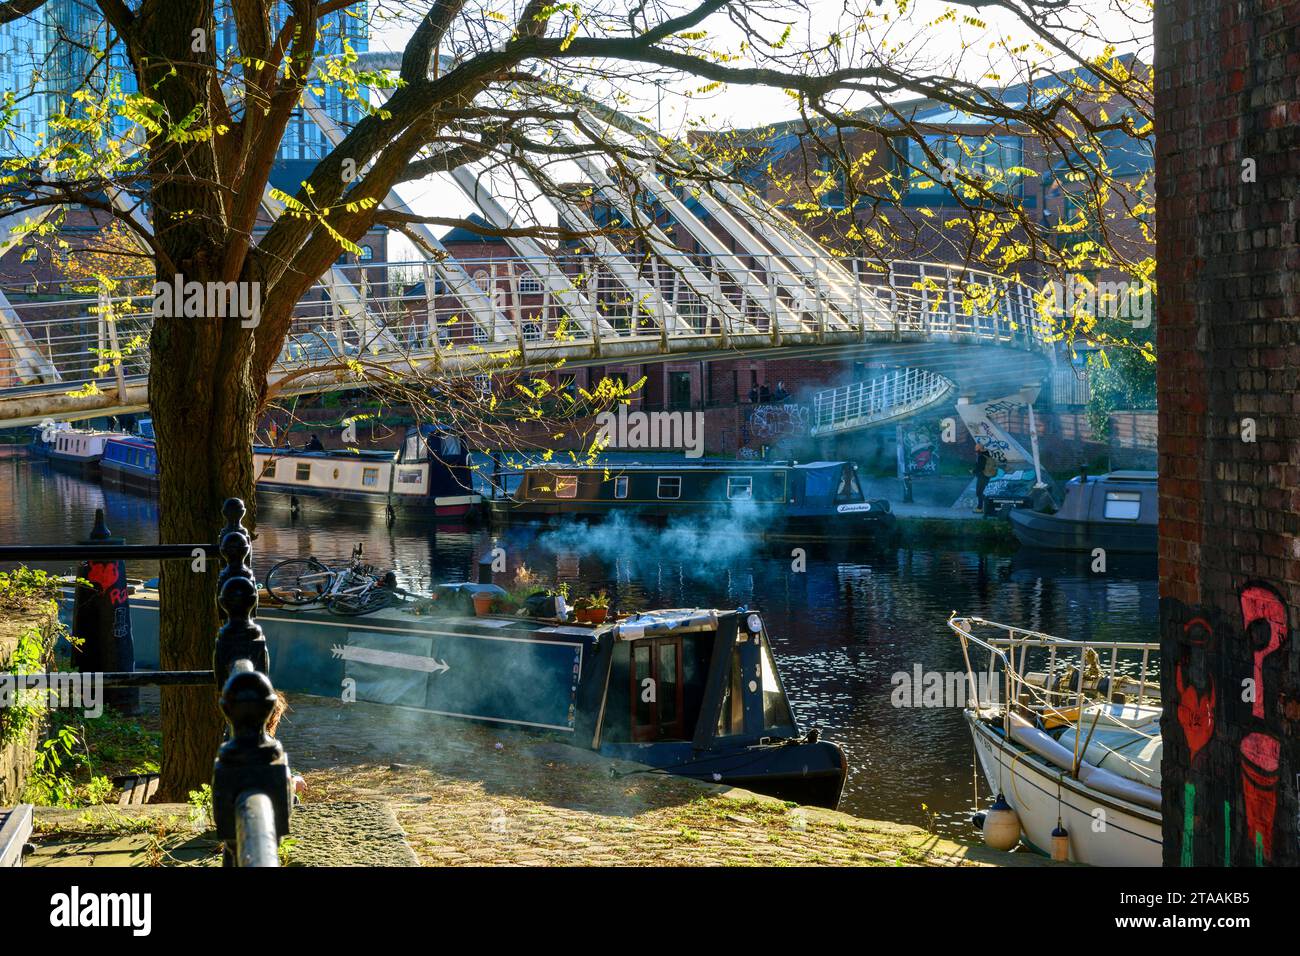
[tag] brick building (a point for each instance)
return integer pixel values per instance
(1228, 169)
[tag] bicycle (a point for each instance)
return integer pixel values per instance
(359, 588)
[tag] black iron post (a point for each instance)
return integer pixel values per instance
(101, 619)
(251, 785)
(240, 638)
(235, 546)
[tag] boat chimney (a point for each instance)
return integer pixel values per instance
(485, 569)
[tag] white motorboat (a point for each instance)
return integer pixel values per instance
(1074, 743)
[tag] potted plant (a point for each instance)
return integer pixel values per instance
(483, 601)
(592, 609)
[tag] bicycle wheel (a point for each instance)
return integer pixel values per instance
(366, 602)
(299, 581)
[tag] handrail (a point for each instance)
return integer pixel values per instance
(1004, 649)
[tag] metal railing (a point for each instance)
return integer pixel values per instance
(411, 311)
(251, 783)
(862, 404)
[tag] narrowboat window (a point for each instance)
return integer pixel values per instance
(641, 674)
(566, 486)
(1123, 505)
(740, 488)
(776, 709)
(304, 471)
(370, 476)
(666, 692)
(268, 468)
(731, 718)
(620, 486)
(670, 486)
(412, 448)
(849, 490)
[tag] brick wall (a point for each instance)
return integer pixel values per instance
(1229, 507)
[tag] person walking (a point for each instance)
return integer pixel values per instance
(985, 468)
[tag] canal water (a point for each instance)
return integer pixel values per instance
(843, 621)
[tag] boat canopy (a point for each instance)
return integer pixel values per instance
(671, 621)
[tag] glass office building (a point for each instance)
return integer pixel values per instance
(63, 47)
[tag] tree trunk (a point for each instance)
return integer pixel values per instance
(204, 408)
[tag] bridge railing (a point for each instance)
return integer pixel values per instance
(879, 398)
(509, 303)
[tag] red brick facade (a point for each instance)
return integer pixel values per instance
(1228, 173)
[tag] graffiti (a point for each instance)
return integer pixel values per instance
(1195, 708)
(1227, 753)
(769, 422)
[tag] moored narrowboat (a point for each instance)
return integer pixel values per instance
(132, 461)
(80, 449)
(718, 713)
(814, 499)
(428, 478)
(1116, 512)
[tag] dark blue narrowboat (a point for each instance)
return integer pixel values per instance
(815, 499)
(132, 462)
(1115, 512)
(427, 479)
(691, 692)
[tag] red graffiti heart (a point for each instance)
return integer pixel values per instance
(1195, 714)
(102, 573)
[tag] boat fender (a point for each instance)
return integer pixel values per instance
(1001, 825)
(1060, 843)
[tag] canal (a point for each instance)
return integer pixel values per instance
(843, 621)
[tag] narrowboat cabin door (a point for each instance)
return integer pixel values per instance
(697, 692)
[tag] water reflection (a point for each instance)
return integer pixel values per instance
(842, 627)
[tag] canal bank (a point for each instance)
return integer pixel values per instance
(387, 787)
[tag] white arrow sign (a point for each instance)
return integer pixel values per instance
(407, 662)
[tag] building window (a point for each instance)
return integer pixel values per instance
(367, 253)
(740, 489)
(530, 285)
(566, 486)
(268, 468)
(303, 472)
(620, 486)
(987, 158)
(1123, 505)
(369, 477)
(670, 486)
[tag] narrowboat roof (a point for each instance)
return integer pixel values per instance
(695, 465)
(343, 454)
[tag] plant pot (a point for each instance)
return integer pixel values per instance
(597, 615)
(483, 603)
(583, 614)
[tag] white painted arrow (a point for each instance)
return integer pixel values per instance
(407, 662)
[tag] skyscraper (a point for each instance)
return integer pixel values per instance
(66, 46)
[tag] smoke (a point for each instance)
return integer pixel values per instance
(705, 543)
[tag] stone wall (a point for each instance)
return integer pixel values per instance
(16, 754)
(1228, 180)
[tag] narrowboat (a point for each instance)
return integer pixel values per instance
(44, 436)
(815, 499)
(80, 449)
(719, 712)
(428, 478)
(132, 462)
(1116, 512)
